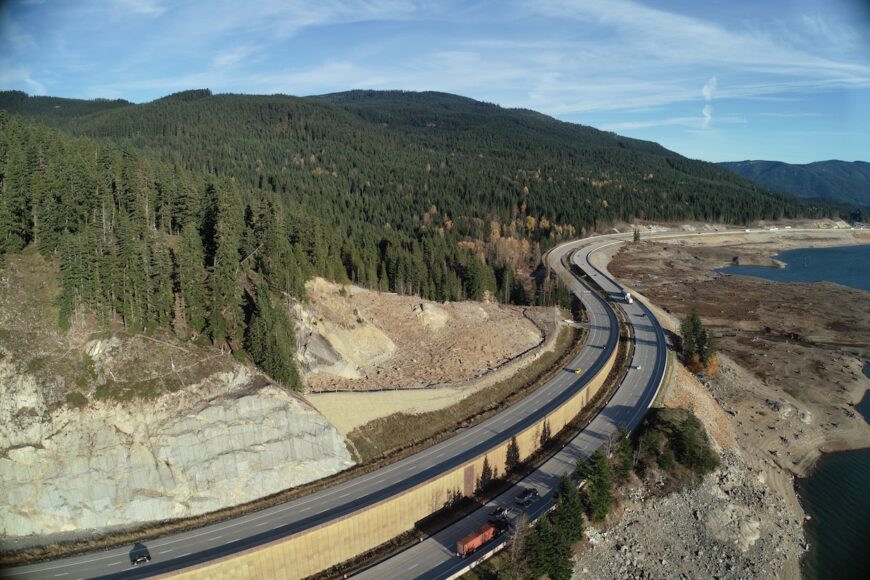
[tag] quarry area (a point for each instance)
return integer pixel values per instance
(790, 370)
(368, 354)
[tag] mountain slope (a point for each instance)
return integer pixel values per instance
(390, 156)
(838, 181)
(202, 212)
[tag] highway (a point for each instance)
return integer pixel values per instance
(181, 550)
(435, 557)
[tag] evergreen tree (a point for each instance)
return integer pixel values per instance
(624, 456)
(598, 492)
(568, 515)
(270, 340)
(224, 224)
(486, 476)
(512, 456)
(190, 277)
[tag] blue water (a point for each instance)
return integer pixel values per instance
(849, 266)
(836, 495)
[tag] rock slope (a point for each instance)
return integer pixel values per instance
(229, 439)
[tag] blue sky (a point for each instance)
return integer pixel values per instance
(760, 79)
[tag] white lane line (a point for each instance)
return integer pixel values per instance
(112, 564)
(276, 527)
(261, 524)
(185, 554)
(344, 495)
(305, 509)
(165, 551)
(61, 574)
(216, 538)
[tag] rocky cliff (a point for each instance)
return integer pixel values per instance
(230, 438)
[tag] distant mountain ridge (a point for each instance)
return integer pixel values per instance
(844, 182)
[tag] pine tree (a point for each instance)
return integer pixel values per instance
(225, 226)
(624, 455)
(598, 492)
(486, 476)
(568, 514)
(512, 456)
(190, 277)
(270, 340)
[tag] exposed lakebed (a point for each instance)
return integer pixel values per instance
(835, 494)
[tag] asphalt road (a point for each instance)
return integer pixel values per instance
(436, 556)
(184, 549)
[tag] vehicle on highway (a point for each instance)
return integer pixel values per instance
(475, 539)
(527, 496)
(139, 555)
(578, 370)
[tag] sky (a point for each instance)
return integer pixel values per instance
(785, 80)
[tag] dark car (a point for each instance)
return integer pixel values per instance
(144, 559)
(527, 496)
(139, 554)
(498, 516)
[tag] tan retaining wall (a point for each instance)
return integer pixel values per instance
(319, 548)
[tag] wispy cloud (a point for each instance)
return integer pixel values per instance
(233, 56)
(142, 7)
(709, 88)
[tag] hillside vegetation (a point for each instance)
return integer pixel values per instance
(843, 182)
(202, 212)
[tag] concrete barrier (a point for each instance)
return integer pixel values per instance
(319, 548)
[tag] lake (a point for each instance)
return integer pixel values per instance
(836, 495)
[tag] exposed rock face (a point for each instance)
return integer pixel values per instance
(229, 439)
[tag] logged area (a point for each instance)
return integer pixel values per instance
(353, 339)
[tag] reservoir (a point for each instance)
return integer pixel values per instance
(847, 265)
(836, 495)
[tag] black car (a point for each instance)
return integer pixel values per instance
(136, 560)
(139, 554)
(527, 496)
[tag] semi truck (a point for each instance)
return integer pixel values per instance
(475, 539)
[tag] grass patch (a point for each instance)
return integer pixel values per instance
(122, 392)
(76, 400)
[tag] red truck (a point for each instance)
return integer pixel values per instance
(475, 539)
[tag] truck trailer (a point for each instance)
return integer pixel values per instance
(475, 539)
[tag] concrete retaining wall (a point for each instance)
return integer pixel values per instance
(319, 548)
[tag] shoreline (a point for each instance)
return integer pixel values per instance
(764, 409)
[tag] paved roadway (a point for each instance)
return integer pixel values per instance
(181, 550)
(435, 557)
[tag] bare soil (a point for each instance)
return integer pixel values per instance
(790, 358)
(436, 344)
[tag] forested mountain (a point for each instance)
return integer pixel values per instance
(842, 182)
(202, 211)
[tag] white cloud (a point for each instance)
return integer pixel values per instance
(709, 89)
(707, 112)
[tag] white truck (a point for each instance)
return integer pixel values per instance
(627, 297)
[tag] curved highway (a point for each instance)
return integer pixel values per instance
(178, 551)
(435, 557)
